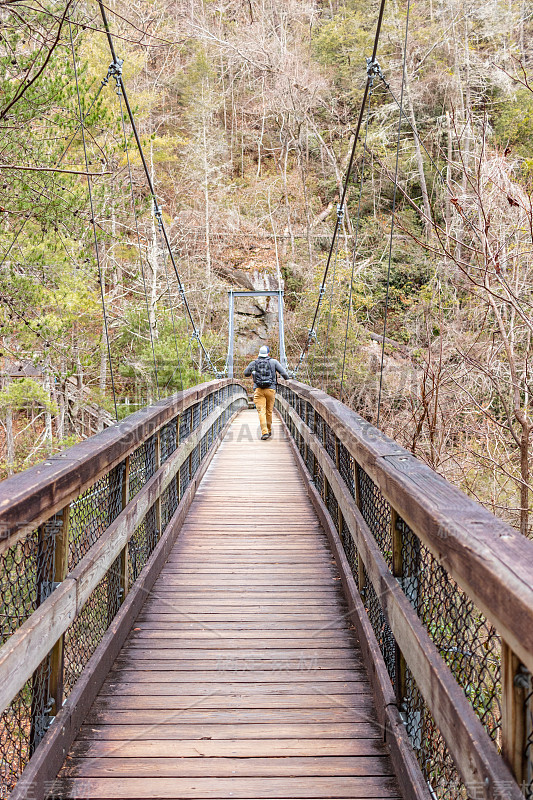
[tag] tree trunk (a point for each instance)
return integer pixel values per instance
(103, 372)
(10, 438)
(205, 122)
(524, 474)
(10, 442)
(48, 413)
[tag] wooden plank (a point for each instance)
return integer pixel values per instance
(242, 652)
(176, 644)
(232, 702)
(361, 711)
(257, 619)
(246, 596)
(215, 788)
(199, 637)
(169, 767)
(287, 624)
(310, 665)
(351, 730)
(231, 665)
(224, 748)
(161, 675)
(231, 606)
(174, 688)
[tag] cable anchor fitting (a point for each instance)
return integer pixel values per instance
(373, 70)
(321, 292)
(158, 214)
(340, 212)
(114, 71)
(311, 336)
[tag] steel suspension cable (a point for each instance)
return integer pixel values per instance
(116, 70)
(315, 337)
(393, 215)
(372, 67)
(138, 239)
(171, 305)
(325, 355)
(97, 252)
(355, 245)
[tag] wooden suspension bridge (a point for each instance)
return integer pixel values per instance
(189, 612)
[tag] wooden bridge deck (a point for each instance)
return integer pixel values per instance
(241, 677)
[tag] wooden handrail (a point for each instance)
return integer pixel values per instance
(31, 497)
(491, 562)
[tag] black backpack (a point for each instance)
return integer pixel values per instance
(263, 373)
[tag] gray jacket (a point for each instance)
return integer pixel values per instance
(275, 367)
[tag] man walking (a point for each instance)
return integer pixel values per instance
(264, 371)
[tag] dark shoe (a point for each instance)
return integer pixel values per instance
(265, 436)
(269, 434)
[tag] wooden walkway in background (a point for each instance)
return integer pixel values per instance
(241, 677)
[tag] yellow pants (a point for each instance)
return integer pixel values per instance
(264, 402)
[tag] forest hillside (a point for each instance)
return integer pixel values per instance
(246, 114)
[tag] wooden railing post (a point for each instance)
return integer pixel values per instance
(177, 478)
(124, 562)
(357, 493)
(516, 686)
(51, 569)
(338, 465)
(61, 551)
(397, 571)
(157, 504)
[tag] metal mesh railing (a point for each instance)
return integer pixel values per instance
(87, 630)
(142, 465)
(26, 580)
(376, 512)
(28, 569)
(185, 423)
(433, 755)
(142, 545)
(466, 641)
(168, 440)
(93, 512)
(20, 585)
